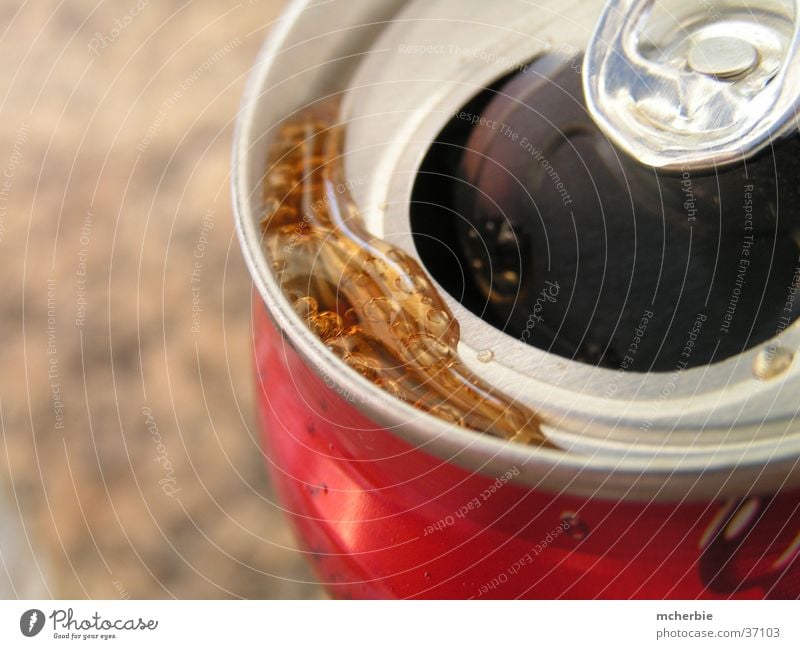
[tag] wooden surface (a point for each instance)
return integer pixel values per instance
(129, 450)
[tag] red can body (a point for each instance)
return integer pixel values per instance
(382, 519)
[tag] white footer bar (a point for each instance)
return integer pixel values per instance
(386, 625)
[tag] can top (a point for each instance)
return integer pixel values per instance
(681, 87)
(404, 69)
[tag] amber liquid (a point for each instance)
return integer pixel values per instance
(368, 301)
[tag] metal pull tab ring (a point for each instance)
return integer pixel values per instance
(680, 88)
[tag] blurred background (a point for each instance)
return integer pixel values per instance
(130, 462)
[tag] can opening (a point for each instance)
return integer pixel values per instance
(525, 213)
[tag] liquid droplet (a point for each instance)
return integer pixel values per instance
(326, 325)
(485, 356)
(363, 364)
(448, 413)
(574, 526)
(428, 351)
(438, 318)
(410, 284)
(306, 307)
(361, 279)
(392, 387)
(771, 362)
(350, 319)
(403, 329)
(374, 266)
(381, 310)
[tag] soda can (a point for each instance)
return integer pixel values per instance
(526, 289)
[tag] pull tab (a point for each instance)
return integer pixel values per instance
(687, 86)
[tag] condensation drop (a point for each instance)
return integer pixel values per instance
(574, 526)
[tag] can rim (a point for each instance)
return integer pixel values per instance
(725, 472)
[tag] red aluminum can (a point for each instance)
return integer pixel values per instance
(381, 518)
(674, 483)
